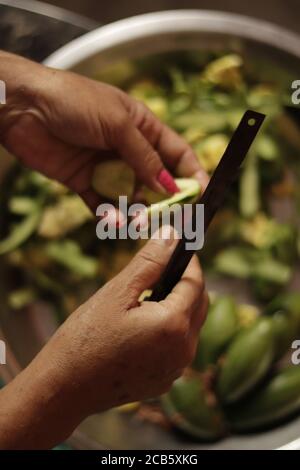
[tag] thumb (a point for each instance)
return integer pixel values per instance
(135, 149)
(147, 266)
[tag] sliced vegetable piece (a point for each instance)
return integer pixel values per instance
(225, 71)
(248, 263)
(271, 270)
(210, 150)
(68, 254)
(21, 232)
(189, 190)
(267, 148)
(66, 215)
(249, 188)
(112, 179)
(20, 298)
(115, 178)
(21, 205)
(264, 232)
(233, 262)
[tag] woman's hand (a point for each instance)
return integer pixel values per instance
(112, 350)
(63, 124)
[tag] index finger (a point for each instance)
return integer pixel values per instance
(173, 150)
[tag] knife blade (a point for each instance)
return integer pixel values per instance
(212, 198)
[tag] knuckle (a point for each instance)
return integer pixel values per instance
(151, 158)
(147, 257)
(121, 122)
(177, 327)
(186, 355)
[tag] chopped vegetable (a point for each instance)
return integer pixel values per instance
(68, 254)
(67, 214)
(21, 232)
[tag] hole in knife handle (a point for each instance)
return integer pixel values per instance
(251, 122)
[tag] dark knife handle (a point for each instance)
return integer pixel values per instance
(212, 198)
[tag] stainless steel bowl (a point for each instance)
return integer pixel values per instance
(131, 38)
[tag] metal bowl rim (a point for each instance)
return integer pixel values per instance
(173, 21)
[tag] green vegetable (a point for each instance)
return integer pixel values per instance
(249, 188)
(284, 331)
(210, 150)
(189, 190)
(68, 254)
(271, 270)
(246, 263)
(225, 71)
(220, 326)
(69, 213)
(276, 400)
(21, 232)
(112, 179)
(285, 314)
(22, 205)
(233, 262)
(265, 233)
(267, 148)
(246, 361)
(193, 410)
(288, 303)
(21, 298)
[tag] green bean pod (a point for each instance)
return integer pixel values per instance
(247, 361)
(271, 403)
(193, 410)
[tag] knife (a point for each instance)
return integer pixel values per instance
(212, 198)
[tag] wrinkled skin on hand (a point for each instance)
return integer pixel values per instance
(62, 124)
(110, 351)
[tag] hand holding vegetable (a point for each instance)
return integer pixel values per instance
(63, 124)
(112, 350)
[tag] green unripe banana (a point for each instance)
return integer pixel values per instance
(271, 403)
(247, 361)
(193, 410)
(285, 332)
(285, 313)
(290, 303)
(221, 325)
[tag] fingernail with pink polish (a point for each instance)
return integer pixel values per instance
(167, 181)
(115, 218)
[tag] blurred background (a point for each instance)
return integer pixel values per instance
(284, 12)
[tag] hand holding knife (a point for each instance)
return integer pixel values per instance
(212, 198)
